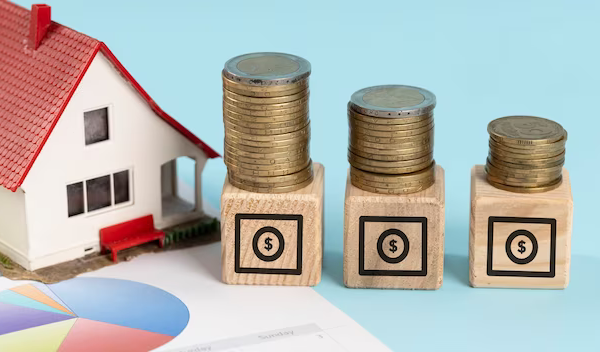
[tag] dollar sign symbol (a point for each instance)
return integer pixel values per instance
(521, 247)
(393, 247)
(268, 246)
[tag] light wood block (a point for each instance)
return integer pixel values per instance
(519, 240)
(372, 221)
(273, 239)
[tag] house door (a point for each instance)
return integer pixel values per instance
(178, 186)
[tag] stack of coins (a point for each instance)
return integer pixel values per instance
(267, 129)
(391, 139)
(526, 155)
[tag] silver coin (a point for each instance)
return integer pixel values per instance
(393, 101)
(267, 69)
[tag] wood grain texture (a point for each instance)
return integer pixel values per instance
(283, 211)
(407, 213)
(497, 214)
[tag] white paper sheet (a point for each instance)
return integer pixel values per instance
(238, 317)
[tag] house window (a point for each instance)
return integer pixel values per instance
(96, 125)
(75, 198)
(121, 186)
(98, 193)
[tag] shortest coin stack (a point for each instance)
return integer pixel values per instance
(526, 155)
(391, 139)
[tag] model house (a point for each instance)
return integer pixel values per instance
(82, 145)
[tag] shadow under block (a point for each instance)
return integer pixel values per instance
(273, 239)
(517, 239)
(394, 241)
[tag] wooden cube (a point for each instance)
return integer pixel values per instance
(273, 239)
(394, 241)
(519, 239)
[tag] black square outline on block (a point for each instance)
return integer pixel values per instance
(361, 246)
(238, 221)
(519, 273)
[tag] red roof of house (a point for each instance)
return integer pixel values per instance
(36, 86)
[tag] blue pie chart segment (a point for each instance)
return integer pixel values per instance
(125, 303)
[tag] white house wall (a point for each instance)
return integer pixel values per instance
(139, 140)
(13, 227)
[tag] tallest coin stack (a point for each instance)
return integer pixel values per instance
(267, 128)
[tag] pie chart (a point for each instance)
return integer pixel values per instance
(89, 314)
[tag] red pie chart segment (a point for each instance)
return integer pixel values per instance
(95, 336)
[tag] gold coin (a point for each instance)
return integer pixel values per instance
(266, 185)
(391, 134)
(525, 130)
(358, 143)
(278, 172)
(303, 103)
(518, 183)
(266, 125)
(304, 131)
(520, 149)
(391, 170)
(388, 121)
(392, 140)
(521, 178)
(538, 189)
(393, 157)
(519, 173)
(533, 168)
(298, 85)
(264, 100)
(293, 147)
(275, 181)
(276, 155)
(266, 113)
(353, 158)
(534, 162)
(401, 151)
(271, 161)
(295, 177)
(401, 190)
(248, 165)
(274, 189)
(266, 161)
(407, 177)
(263, 131)
(389, 128)
(531, 156)
(408, 184)
(264, 119)
(267, 94)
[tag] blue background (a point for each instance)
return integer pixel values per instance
(482, 59)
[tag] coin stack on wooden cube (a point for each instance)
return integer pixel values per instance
(521, 207)
(526, 155)
(267, 128)
(272, 199)
(391, 139)
(395, 198)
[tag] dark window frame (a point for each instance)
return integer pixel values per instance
(116, 200)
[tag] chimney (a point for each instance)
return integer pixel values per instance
(38, 24)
